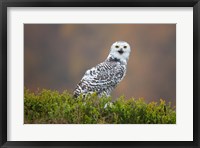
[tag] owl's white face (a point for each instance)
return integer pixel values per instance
(120, 50)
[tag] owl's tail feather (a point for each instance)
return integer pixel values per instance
(75, 95)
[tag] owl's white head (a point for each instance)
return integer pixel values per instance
(119, 51)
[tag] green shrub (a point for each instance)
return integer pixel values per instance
(48, 106)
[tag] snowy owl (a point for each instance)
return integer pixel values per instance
(104, 77)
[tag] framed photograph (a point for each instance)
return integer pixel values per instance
(105, 73)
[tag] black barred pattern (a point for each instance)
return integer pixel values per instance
(101, 79)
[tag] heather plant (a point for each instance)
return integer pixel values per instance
(52, 107)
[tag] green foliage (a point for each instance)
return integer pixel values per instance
(53, 107)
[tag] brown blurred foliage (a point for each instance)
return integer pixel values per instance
(56, 56)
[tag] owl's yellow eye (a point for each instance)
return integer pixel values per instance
(125, 46)
(117, 46)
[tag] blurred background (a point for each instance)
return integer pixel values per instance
(56, 57)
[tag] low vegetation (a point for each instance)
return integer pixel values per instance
(52, 107)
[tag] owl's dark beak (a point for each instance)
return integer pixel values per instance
(121, 51)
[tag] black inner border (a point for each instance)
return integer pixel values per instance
(98, 3)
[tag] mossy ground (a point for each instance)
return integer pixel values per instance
(52, 107)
